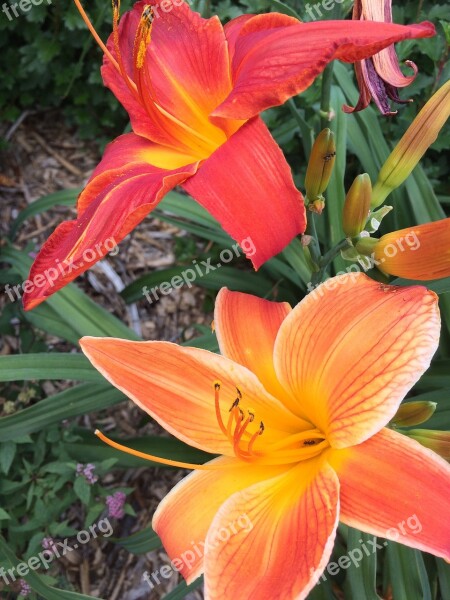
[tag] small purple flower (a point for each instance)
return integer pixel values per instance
(115, 505)
(25, 589)
(48, 543)
(88, 472)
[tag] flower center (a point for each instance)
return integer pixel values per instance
(243, 436)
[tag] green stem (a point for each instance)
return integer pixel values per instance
(331, 254)
(325, 105)
(326, 259)
(313, 246)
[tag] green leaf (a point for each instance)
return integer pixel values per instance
(82, 489)
(74, 307)
(4, 514)
(440, 286)
(141, 542)
(7, 454)
(444, 578)
(79, 400)
(61, 198)
(405, 573)
(361, 577)
(25, 367)
(283, 8)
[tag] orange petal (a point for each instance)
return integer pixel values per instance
(352, 349)
(394, 488)
(246, 328)
(175, 385)
(184, 516)
(271, 541)
(421, 252)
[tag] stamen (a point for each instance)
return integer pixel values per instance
(217, 403)
(164, 461)
(255, 436)
(95, 34)
(103, 47)
(116, 15)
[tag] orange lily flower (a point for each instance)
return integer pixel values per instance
(194, 90)
(297, 407)
(379, 76)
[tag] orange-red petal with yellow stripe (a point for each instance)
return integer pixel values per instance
(247, 186)
(125, 189)
(421, 252)
(352, 349)
(286, 545)
(270, 66)
(393, 487)
(184, 516)
(175, 385)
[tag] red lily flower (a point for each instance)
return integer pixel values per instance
(379, 77)
(194, 90)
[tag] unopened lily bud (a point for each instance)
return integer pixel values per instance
(320, 165)
(438, 441)
(414, 413)
(366, 245)
(357, 206)
(422, 132)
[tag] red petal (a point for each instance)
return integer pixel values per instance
(395, 488)
(113, 203)
(271, 65)
(247, 186)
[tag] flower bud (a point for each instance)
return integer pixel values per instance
(422, 132)
(357, 206)
(414, 413)
(438, 441)
(320, 165)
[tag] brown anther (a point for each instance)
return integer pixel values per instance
(217, 385)
(239, 393)
(309, 442)
(241, 412)
(251, 415)
(261, 428)
(235, 403)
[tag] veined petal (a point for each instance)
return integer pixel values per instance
(352, 349)
(271, 65)
(421, 252)
(246, 328)
(145, 120)
(280, 555)
(119, 196)
(184, 516)
(247, 186)
(395, 488)
(175, 385)
(188, 69)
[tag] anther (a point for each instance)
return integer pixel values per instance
(235, 403)
(251, 415)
